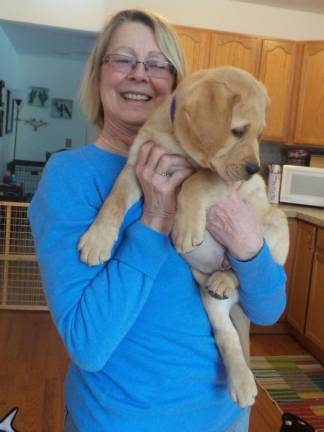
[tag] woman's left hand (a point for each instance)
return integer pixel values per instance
(234, 223)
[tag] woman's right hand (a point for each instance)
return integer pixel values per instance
(160, 191)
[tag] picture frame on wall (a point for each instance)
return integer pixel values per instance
(9, 112)
(62, 108)
(2, 86)
(1, 122)
(38, 97)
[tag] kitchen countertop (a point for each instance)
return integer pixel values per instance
(308, 214)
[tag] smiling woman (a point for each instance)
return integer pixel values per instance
(142, 352)
(130, 94)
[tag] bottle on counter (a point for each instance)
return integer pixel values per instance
(13, 179)
(274, 182)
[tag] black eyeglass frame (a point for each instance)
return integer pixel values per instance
(107, 59)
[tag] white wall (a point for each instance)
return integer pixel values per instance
(62, 77)
(224, 15)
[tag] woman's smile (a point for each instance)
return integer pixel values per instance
(133, 96)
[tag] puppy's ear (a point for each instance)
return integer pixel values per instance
(209, 96)
(206, 115)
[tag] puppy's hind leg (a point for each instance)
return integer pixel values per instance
(241, 381)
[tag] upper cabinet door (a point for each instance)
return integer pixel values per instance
(235, 50)
(196, 46)
(310, 108)
(277, 71)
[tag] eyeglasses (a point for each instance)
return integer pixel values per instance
(154, 68)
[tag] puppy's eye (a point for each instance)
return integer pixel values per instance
(238, 132)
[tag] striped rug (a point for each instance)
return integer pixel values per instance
(295, 383)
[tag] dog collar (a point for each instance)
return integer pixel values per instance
(173, 109)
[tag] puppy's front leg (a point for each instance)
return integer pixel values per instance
(96, 244)
(197, 194)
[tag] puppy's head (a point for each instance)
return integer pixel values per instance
(220, 116)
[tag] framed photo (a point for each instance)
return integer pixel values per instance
(9, 112)
(2, 86)
(62, 108)
(38, 97)
(1, 122)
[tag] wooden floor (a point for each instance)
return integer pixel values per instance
(33, 363)
(32, 368)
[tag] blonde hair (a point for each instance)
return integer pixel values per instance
(166, 39)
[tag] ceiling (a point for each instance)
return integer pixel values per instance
(315, 6)
(30, 39)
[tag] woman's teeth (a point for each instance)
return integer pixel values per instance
(134, 96)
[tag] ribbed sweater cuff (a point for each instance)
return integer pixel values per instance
(262, 267)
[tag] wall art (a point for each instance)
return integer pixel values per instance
(2, 86)
(62, 108)
(1, 122)
(38, 97)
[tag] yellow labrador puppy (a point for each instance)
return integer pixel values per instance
(214, 119)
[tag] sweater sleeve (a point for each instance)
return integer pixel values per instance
(262, 287)
(93, 307)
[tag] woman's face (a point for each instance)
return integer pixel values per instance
(128, 99)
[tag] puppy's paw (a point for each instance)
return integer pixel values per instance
(187, 235)
(96, 244)
(242, 386)
(221, 285)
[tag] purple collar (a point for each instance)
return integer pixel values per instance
(173, 109)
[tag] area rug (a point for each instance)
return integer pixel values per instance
(295, 383)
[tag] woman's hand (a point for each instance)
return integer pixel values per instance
(160, 175)
(234, 223)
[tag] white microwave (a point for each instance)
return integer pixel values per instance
(302, 185)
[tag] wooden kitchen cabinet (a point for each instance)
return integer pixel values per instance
(301, 275)
(290, 261)
(315, 320)
(277, 72)
(280, 326)
(292, 71)
(309, 128)
(196, 47)
(235, 50)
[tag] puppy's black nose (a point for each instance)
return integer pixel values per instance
(252, 168)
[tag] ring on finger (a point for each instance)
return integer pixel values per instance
(165, 174)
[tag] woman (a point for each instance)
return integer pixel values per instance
(142, 353)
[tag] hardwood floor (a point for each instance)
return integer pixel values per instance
(32, 368)
(33, 363)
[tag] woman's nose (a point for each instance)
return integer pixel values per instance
(138, 72)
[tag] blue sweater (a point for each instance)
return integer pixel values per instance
(143, 357)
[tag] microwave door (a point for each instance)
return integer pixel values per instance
(302, 185)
